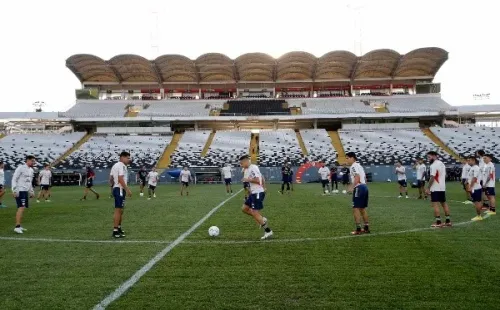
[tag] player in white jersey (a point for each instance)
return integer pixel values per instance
(464, 176)
(255, 201)
(421, 169)
(474, 186)
(184, 178)
(324, 174)
(437, 189)
(152, 178)
(118, 178)
(227, 173)
(2, 184)
(22, 189)
(480, 157)
(401, 175)
(359, 191)
(44, 179)
(489, 186)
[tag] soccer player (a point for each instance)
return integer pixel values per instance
(227, 173)
(324, 173)
(2, 184)
(334, 179)
(152, 182)
(482, 178)
(141, 177)
(22, 189)
(421, 169)
(119, 178)
(437, 189)
(359, 194)
(255, 202)
(345, 176)
(246, 185)
(184, 178)
(474, 186)
(44, 180)
(89, 184)
(401, 174)
(465, 177)
(489, 187)
(286, 172)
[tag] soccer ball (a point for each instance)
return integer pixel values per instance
(326, 191)
(344, 192)
(141, 194)
(213, 231)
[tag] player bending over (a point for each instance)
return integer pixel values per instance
(2, 184)
(89, 184)
(142, 174)
(184, 178)
(22, 189)
(359, 194)
(401, 174)
(489, 187)
(152, 178)
(324, 173)
(437, 189)
(44, 180)
(119, 179)
(227, 173)
(255, 202)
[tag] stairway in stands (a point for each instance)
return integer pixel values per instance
(74, 148)
(301, 143)
(164, 160)
(337, 145)
(131, 113)
(254, 148)
(440, 143)
(207, 145)
(381, 110)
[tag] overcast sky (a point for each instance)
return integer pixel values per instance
(38, 37)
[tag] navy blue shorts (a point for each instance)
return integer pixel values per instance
(227, 181)
(186, 184)
(22, 200)
(477, 195)
(256, 201)
(90, 183)
(119, 195)
(420, 183)
(325, 182)
(152, 187)
(360, 197)
(345, 179)
(1, 187)
(142, 181)
(45, 187)
(464, 184)
(489, 191)
(438, 196)
(402, 183)
(246, 184)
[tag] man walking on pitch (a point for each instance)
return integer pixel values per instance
(401, 174)
(324, 174)
(185, 177)
(119, 180)
(141, 177)
(255, 201)
(474, 187)
(227, 173)
(489, 186)
(359, 194)
(152, 182)
(437, 189)
(22, 189)
(421, 169)
(44, 179)
(90, 176)
(286, 172)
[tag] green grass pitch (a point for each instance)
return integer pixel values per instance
(312, 263)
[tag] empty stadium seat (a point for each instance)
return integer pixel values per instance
(188, 151)
(319, 145)
(228, 147)
(278, 147)
(428, 103)
(331, 105)
(97, 108)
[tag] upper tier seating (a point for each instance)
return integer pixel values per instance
(256, 107)
(467, 140)
(45, 147)
(97, 108)
(431, 103)
(279, 147)
(228, 147)
(181, 108)
(319, 145)
(101, 151)
(385, 147)
(331, 105)
(188, 151)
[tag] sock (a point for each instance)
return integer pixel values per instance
(448, 220)
(400, 194)
(492, 209)
(358, 227)
(115, 229)
(438, 220)
(267, 229)
(367, 227)
(17, 226)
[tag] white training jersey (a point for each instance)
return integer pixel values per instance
(421, 172)
(401, 173)
(185, 175)
(252, 173)
(474, 172)
(324, 172)
(2, 177)
(482, 172)
(357, 169)
(153, 178)
(119, 169)
(489, 170)
(227, 172)
(438, 173)
(22, 180)
(465, 171)
(45, 176)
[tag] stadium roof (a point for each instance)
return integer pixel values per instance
(383, 64)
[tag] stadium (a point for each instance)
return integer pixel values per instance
(207, 113)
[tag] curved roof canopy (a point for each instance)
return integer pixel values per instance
(259, 67)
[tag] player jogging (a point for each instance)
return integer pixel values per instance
(184, 178)
(119, 178)
(464, 178)
(142, 174)
(401, 174)
(22, 189)
(2, 184)
(152, 178)
(255, 201)
(474, 187)
(44, 179)
(324, 174)
(286, 172)
(227, 173)
(334, 179)
(489, 187)
(89, 184)
(421, 169)
(437, 189)
(359, 194)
